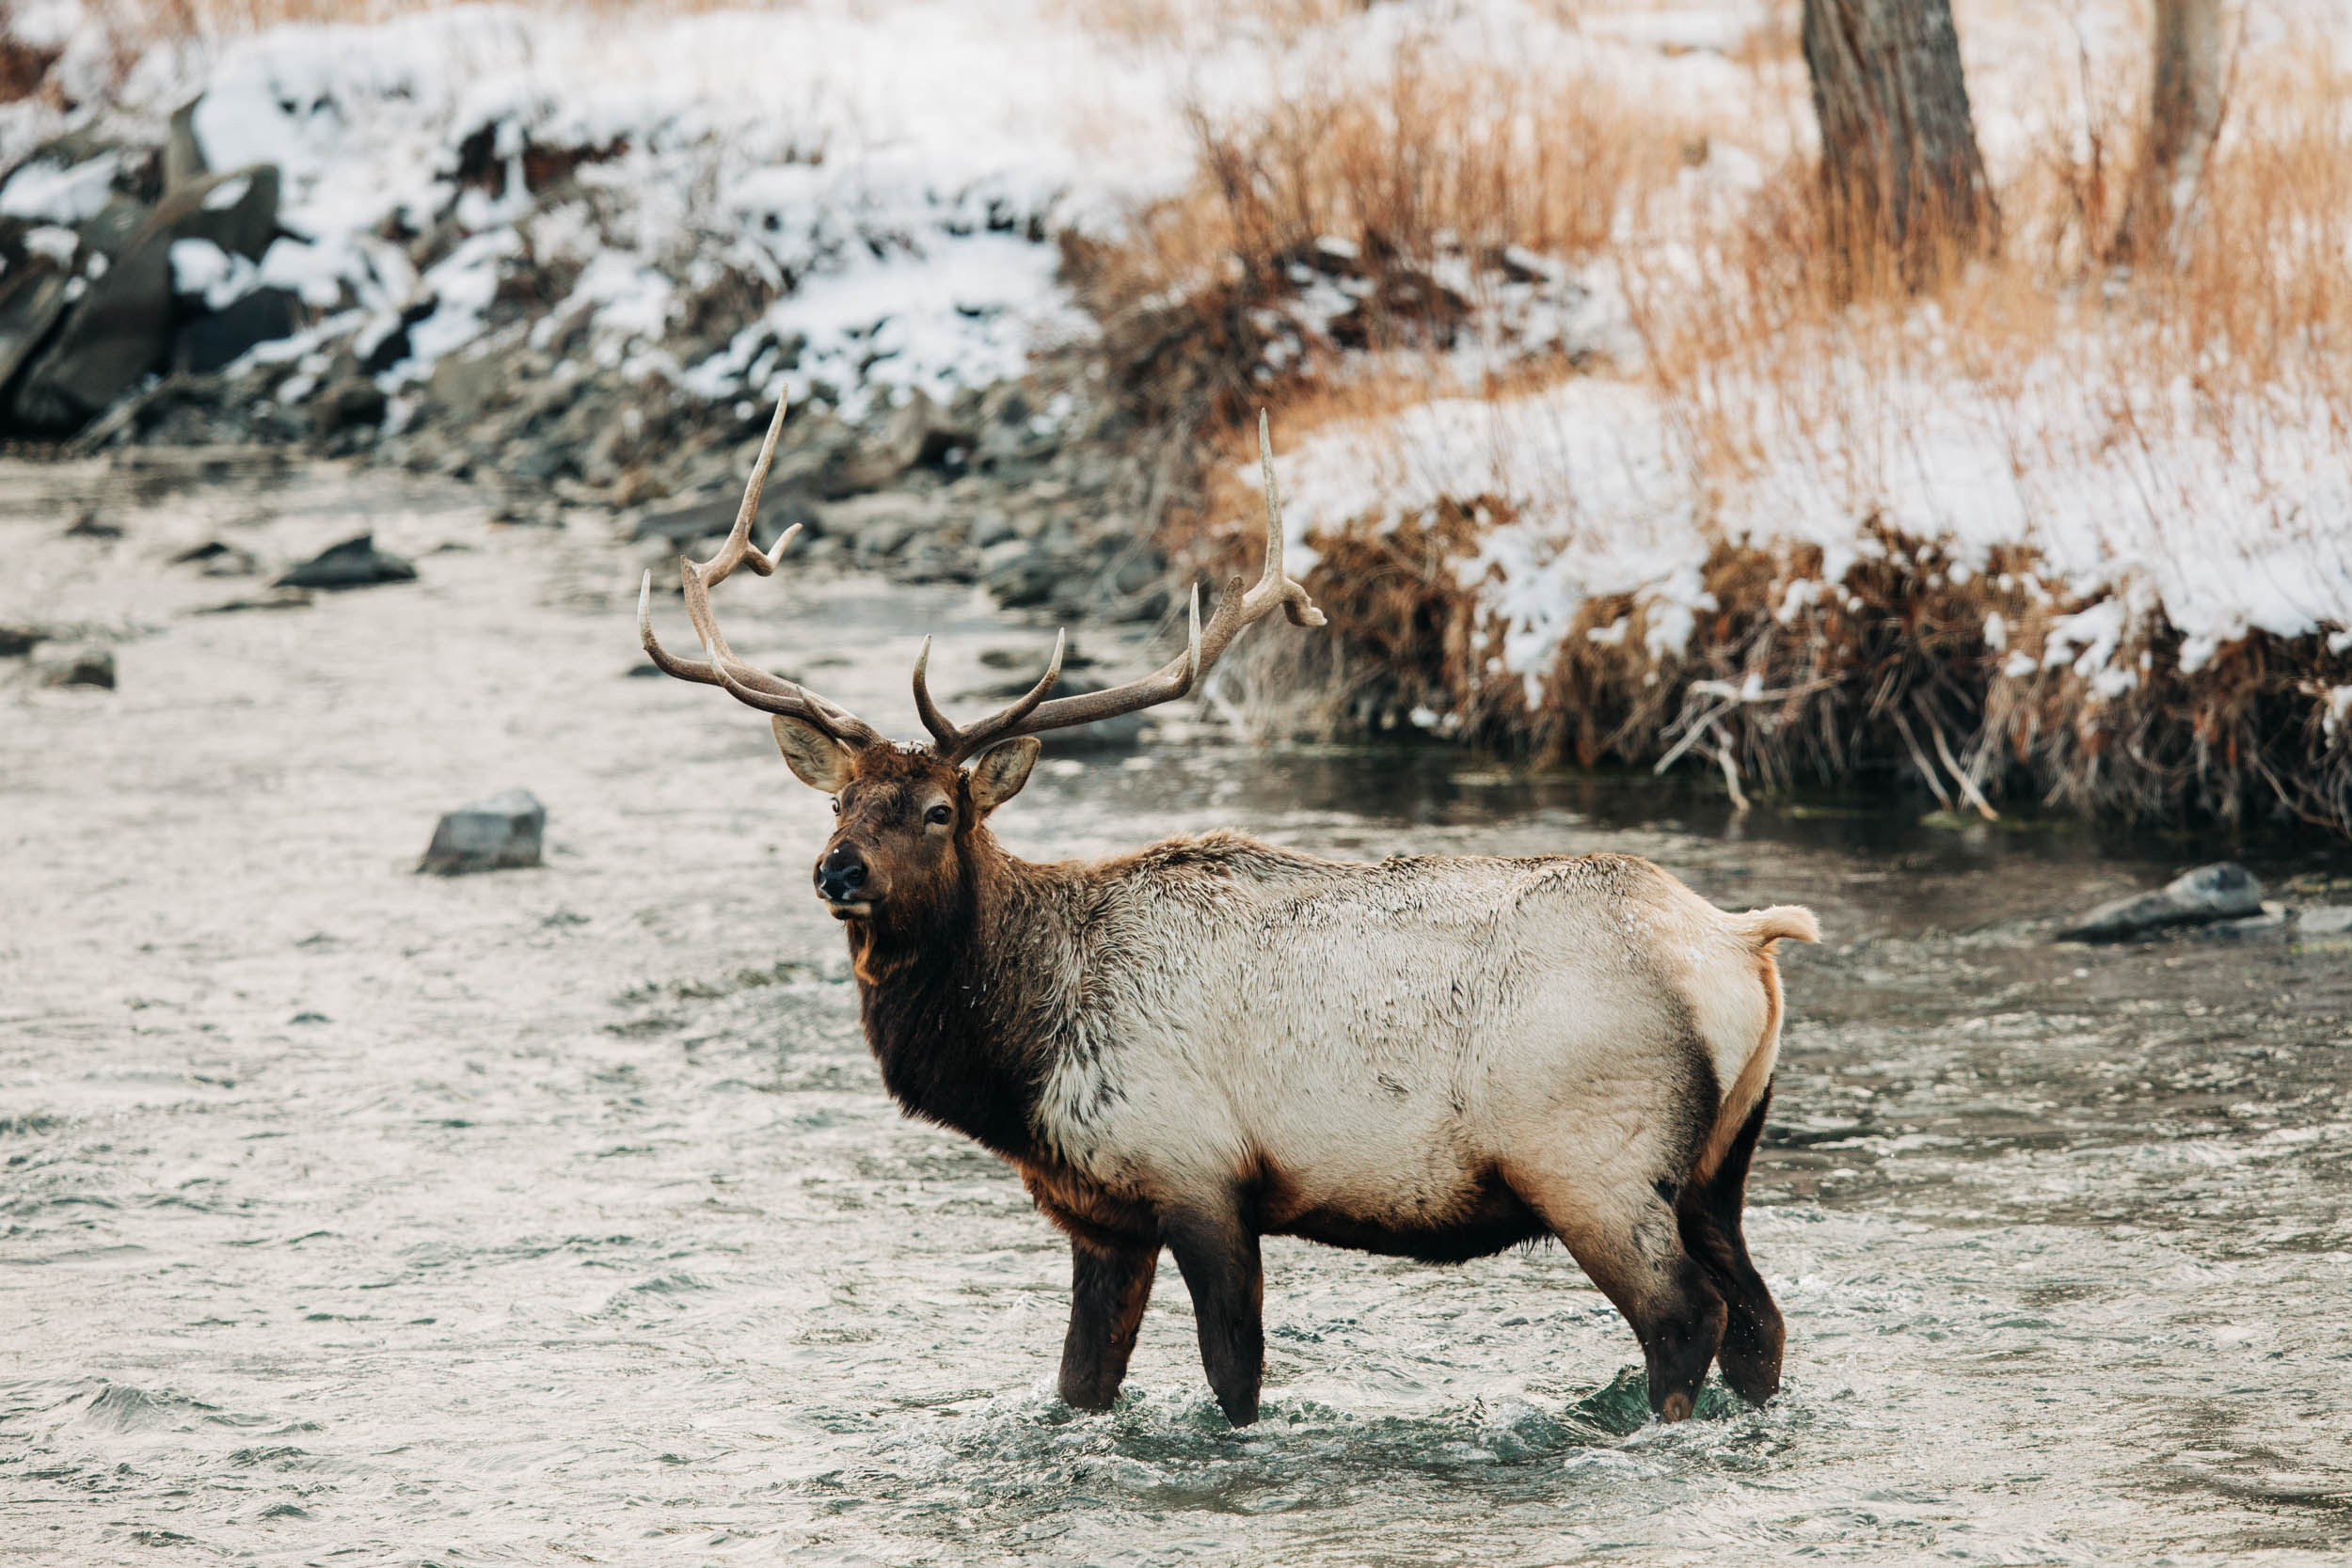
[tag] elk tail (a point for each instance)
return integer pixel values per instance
(1763, 927)
(1744, 1104)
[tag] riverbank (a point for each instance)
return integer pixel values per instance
(1594, 462)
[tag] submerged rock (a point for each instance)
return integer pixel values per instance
(77, 666)
(499, 833)
(16, 641)
(2223, 891)
(354, 564)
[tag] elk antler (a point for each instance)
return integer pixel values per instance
(747, 683)
(1033, 714)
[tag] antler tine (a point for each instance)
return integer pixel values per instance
(944, 733)
(1274, 586)
(1236, 607)
(739, 549)
(955, 743)
(746, 683)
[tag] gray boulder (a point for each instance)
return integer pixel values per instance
(31, 300)
(917, 434)
(122, 328)
(351, 400)
(1017, 574)
(224, 336)
(354, 564)
(712, 514)
(2324, 919)
(76, 667)
(499, 833)
(183, 155)
(2223, 891)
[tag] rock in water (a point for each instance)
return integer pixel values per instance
(495, 834)
(2223, 891)
(77, 666)
(354, 564)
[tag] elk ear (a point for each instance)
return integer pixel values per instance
(1001, 771)
(816, 758)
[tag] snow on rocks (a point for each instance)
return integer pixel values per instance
(888, 180)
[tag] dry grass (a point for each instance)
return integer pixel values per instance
(1763, 360)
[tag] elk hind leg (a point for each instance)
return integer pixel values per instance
(1629, 1245)
(1708, 1215)
(1110, 1286)
(1216, 1251)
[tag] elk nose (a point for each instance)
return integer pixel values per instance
(841, 874)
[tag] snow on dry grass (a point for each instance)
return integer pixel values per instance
(2057, 530)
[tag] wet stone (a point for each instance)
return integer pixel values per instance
(77, 666)
(501, 833)
(354, 564)
(2324, 919)
(2223, 891)
(217, 558)
(17, 640)
(2272, 921)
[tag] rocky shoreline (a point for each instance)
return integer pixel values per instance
(148, 302)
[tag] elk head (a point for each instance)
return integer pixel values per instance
(909, 814)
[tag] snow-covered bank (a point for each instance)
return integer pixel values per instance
(2224, 529)
(893, 179)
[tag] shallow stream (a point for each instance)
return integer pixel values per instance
(355, 1216)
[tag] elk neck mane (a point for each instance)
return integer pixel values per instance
(961, 1011)
(969, 1012)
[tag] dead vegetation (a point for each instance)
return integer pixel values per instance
(1905, 662)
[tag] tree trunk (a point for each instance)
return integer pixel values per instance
(1903, 184)
(2183, 117)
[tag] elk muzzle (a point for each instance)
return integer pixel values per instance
(841, 882)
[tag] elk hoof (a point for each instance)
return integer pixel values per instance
(1676, 1408)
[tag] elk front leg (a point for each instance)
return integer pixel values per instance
(1217, 1254)
(1109, 1287)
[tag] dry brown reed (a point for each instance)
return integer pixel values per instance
(1762, 358)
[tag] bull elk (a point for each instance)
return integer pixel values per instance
(1214, 1040)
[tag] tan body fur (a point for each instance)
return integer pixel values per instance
(1379, 1041)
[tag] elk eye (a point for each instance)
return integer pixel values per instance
(940, 815)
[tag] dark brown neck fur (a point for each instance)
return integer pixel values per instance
(952, 1005)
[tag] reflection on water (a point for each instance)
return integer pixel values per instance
(559, 1216)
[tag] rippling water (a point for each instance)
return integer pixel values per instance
(352, 1216)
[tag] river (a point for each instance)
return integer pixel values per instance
(355, 1216)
